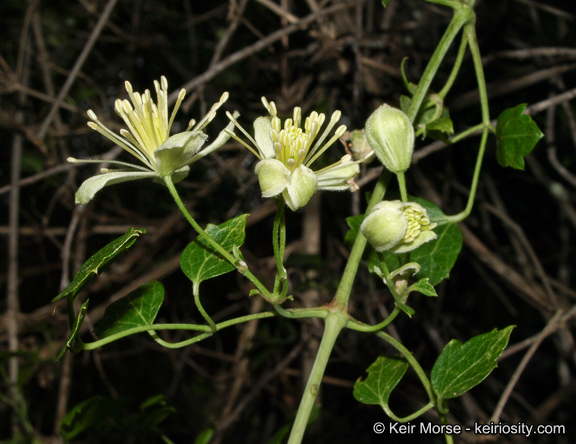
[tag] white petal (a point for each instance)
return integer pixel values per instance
(273, 177)
(262, 128)
(178, 149)
(336, 176)
(91, 186)
(303, 184)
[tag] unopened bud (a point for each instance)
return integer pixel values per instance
(391, 135)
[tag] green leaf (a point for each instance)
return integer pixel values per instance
(92, 414)
(99, 262)
(383, 375)
(438, 256)
(385, 3)
(138, 309)
(199, 261)
(354, 223)
(517, 135)
(74, 330)
(463, 366)
(423, 286)
(205, 436)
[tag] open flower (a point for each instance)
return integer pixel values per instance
(148, 139)
(398, 227)
(287, 151)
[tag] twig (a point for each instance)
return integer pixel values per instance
(550, 327)
(76, 68)
(259, 45)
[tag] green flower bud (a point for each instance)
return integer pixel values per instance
(391, 135)
(397, 227)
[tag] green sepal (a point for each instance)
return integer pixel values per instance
(99, 262)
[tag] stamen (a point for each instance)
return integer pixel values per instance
(190, 124)
(250, 138)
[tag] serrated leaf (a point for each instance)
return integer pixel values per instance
(99, 262)
(138, 309)
(438, 256)
(463, 366)
(383, 375)
(199, 261)
(423, 286)
(74, 330)
(517, 135)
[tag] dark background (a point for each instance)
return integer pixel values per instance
(516, 266)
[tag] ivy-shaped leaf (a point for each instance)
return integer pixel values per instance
(138, 309)
(91, 414)
(199, 261)
(423, 286)
(517, 135)
(463, 366)
(383, 375)
(99, 262)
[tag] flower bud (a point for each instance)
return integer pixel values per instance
(391, 135)
(397, 227)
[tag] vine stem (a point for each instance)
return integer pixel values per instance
(242, 268)
(335, 322)
(470, 34)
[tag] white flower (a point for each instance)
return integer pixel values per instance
(398, 227)
(287, 151)
(148, 139)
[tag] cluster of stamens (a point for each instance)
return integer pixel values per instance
(417, 222)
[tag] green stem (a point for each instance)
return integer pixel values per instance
(402, 186)
(207, 318)
(462, 15)
(354, 324)
(206, 331)
(470, 33)
(455, 69)
(413, 362)
(279, 246)
(335, 321)
(414, 415)
(345, 287)
(242, 268)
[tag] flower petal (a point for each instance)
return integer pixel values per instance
(302, 186)
(422, 238)
(178, 149)
(91, 186)
(273, 177)
(385, 226)
(262, 128)
(336, 177)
